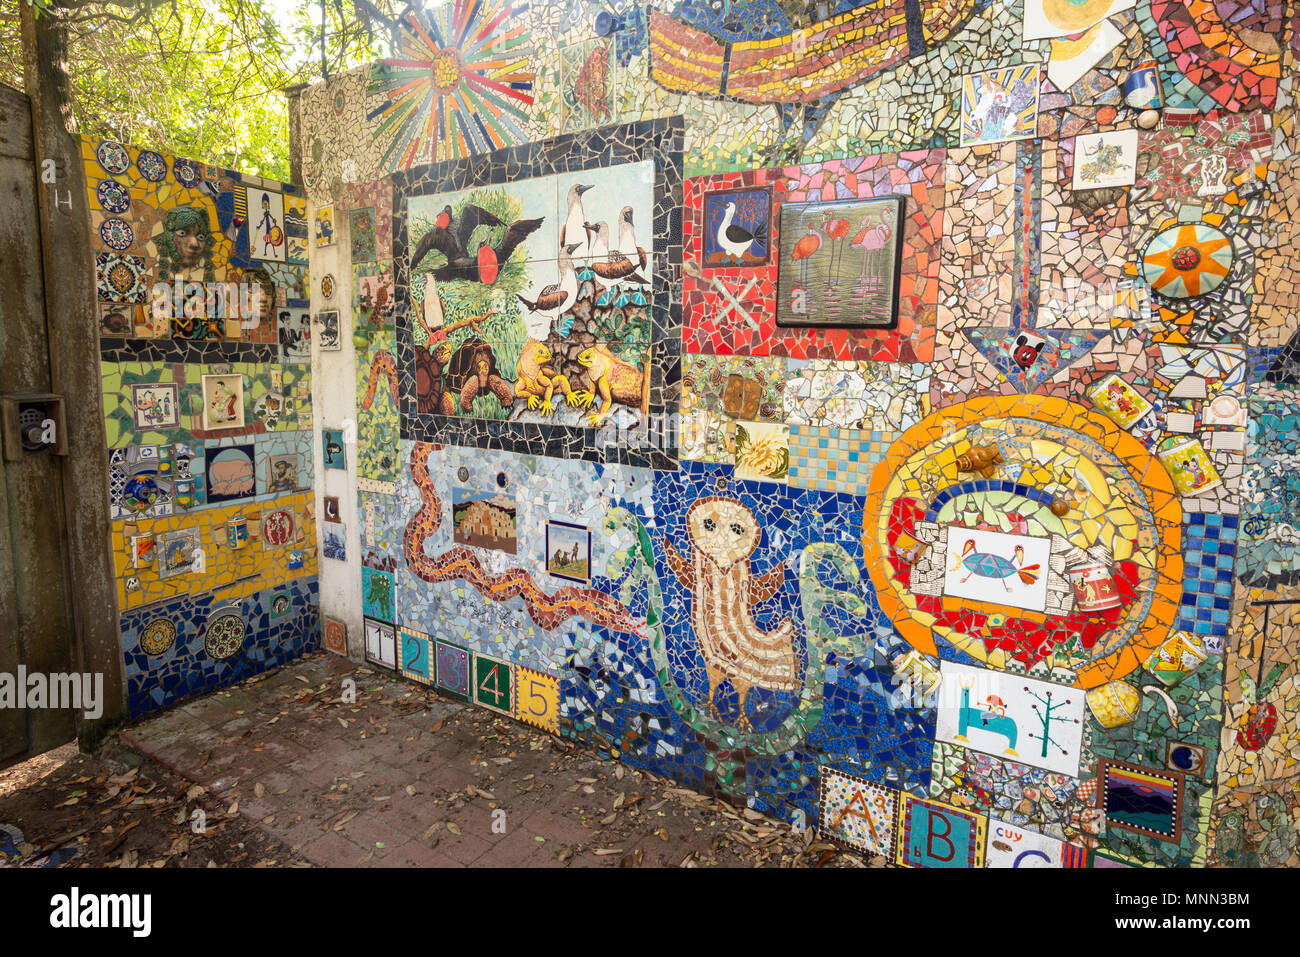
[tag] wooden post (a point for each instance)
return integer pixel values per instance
(294, 96)
(69, 282)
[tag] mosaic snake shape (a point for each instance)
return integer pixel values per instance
(634, 567)
(383, 363)
(549, 611)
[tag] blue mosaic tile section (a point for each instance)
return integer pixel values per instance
(280, 624)
(1210, 547)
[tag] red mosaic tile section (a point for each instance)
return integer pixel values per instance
(1238, 138)
(1210, 51)
(713, 324)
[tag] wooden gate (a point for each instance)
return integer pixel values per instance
(54, 575)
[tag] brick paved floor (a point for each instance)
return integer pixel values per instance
(403, 778)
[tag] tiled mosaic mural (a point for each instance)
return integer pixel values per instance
(205, 353)
(880, 416)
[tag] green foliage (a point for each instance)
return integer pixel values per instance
(626, 329)
(200, 79)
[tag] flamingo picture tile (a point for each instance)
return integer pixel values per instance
(839, 263)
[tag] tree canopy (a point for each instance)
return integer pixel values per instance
(198, 78)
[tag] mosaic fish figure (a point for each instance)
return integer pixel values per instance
(723, 534)
(988, 565)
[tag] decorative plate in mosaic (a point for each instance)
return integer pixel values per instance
(113, 156)
(113, 197)
(152, 166)
(223, 635)
(116, 233)
(157, 636)
(185, 172)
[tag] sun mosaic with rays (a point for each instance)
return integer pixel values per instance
(1187, 259)
(461, 85)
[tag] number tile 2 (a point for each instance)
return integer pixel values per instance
(494, 684)
(537, 699)
(413, 656)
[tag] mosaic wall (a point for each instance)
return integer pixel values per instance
(205, 343)
(879, 416)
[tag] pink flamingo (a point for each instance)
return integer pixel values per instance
(804, 248)
(836, 229)
(869, 238)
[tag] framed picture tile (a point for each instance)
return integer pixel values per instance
(839, 263)
(155, 406)
(223, 402)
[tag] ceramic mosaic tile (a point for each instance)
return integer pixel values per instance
(995, 539)
(211, 488)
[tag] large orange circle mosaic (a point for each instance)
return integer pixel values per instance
(1030, 529)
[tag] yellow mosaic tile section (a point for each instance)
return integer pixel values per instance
(254, 566)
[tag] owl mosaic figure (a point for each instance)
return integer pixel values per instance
(723, 534)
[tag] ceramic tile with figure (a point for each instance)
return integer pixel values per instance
(568, 551)
(999, 105)
(532, 299)
(839, 263)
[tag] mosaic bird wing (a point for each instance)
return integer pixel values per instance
(515, 234)
(471, 218)
(441, 240)
(680, 566)
(764, 586)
